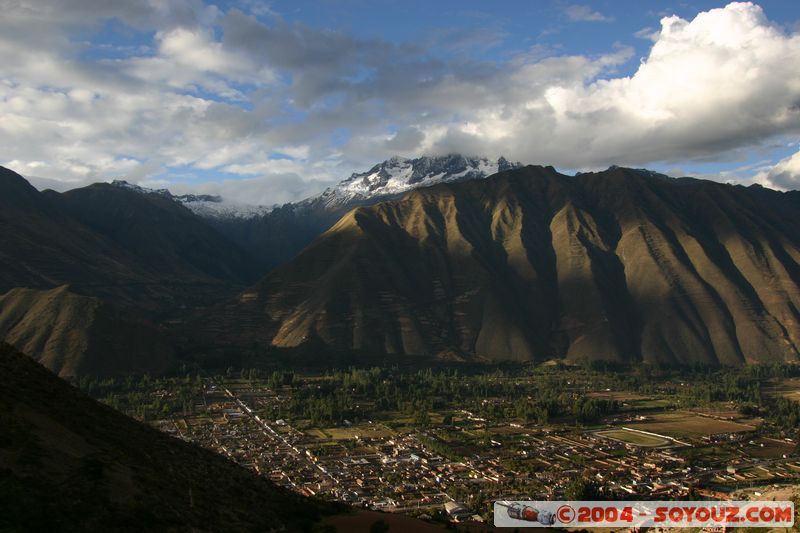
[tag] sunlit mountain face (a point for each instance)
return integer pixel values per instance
(623, 265)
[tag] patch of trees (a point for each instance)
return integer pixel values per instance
(440, 448)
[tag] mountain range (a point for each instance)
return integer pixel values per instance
(423, 257)
(274, 236)
(529, 264)
(133, 249)
(89, 279)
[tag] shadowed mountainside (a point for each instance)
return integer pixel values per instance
(76, 335)
(160, 232)
(42, 247)
(130, 260)
(621, 265)
(136, 250)
(68, 463)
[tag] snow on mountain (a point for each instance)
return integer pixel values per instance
(208, 206)
(204, 205)
(122, 184)
(390, 178)
(398, 175)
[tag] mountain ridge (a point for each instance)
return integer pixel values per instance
(532, 264)
(132, 263)
(144, 251)
(276, 236)
(159, 230)
(389, 178)
(398, 175)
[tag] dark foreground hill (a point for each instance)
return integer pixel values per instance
(530, 264)
(68, 463)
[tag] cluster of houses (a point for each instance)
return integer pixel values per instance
(400, 473)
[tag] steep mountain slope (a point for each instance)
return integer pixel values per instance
(68, 463)
(74, 335)
(42, 247)
(136, 250)
(124, 256)
(160, 232)
(276, 236)
(530, 264)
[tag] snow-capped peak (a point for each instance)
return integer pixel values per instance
(122, 184)
(390, 178)
(398, 175)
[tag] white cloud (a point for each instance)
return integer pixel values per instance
(647, 33)
(225, 92)
(276, 189)
(266, 166)
(583, 13)
(785, 175)
(724, 80)
(190, 57)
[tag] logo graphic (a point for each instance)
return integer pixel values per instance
(638, 514)
(527, 513)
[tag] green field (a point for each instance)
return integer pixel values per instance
(635, 438)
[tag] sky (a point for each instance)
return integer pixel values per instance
(268, 102)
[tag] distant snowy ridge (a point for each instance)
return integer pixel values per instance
(203, 205)
(398, 175)
(216, 207)
(390, 178)
(122, 184)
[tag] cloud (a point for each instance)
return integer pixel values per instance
(190, 60)
(406, 140)
(468, 39)
(278, 189)
(289, 108)
(582, 13)
(647, 33)
(785, 175)
(725, 80)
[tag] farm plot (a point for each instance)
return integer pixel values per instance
(635, 437)
(689, 425)
(362, 430)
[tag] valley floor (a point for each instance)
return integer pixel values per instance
(408, 442)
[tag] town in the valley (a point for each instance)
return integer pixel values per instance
(445, 444)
